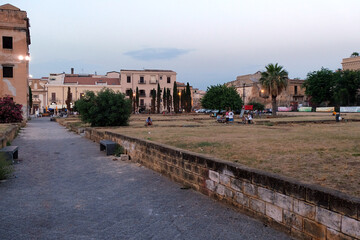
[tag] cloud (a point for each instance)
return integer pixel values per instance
(156, 53)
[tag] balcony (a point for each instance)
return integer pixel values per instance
(153, 81)
(142, 82)
(142, 94)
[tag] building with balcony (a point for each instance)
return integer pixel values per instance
(39, 94)
(14, 55)
(146, 81)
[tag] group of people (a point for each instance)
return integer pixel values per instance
(247, 119)
(228, 116)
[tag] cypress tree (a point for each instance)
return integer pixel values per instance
(132, 100)
(188, 98)
(153, 99)
(175, 98)
(158, 98)
(168, 99)
(137, 98)
(165, 98)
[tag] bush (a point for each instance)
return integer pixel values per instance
(10, 111)
(257, 106)
(106, 108)
(5, 167)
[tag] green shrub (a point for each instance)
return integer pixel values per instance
(106, 108)
(257, 106)
(119, 150)
(5, 167)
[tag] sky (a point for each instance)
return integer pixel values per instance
(207, 42)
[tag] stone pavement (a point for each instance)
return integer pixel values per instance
(65, 188)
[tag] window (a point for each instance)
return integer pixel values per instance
(142, 93)
(295, 90)
(36, 96)
(168, 80)
(128, 79)
(7, 42)
(151, 92)
(7, 72)
(142, 102)
(127, 92)
(142, 79)
(161, 78)
(53, 97)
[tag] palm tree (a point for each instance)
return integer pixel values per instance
(274, 80)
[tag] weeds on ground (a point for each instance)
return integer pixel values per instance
(5, 167)
(119, 150)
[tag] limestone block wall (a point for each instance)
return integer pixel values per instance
(303, 211)
(10, 134)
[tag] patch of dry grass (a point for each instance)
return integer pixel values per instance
(324, 154)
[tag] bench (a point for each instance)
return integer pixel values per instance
(10, 153)
(108, 146)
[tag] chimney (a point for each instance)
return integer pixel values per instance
(72, 70)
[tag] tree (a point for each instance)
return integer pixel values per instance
(319, 85)
(153, 99)
(165, 98)
(68, 99)
(346, 86)
(274, 80)
(106, 108)
(137, 99)
(175, 98)
(188, 104)
(169, 99)
(10, 111)
(354, 54)
(30, 98)
(158, 98)
(221, 97)
(256, 105)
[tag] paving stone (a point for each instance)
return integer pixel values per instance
(67, 189)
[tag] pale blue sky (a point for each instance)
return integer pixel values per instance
(206, 42)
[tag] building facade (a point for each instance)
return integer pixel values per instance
(351, 63)
(250, 89)
(39, 94)
(146, 81)
(14, 55)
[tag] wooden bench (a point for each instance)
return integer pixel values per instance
(108, 146)
(10, 153)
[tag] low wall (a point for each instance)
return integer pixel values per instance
(10, 134)
(303, 211)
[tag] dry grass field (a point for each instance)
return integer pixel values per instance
(327, 154)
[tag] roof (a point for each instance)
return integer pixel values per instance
(9, 7)
(147, 70)
(91, 80)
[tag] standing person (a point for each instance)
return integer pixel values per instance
(249, 118)
(227, 115)
(231, 116)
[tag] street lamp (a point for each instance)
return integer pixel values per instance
(179, 100)
(134, 95)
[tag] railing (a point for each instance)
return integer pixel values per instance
(142, 82)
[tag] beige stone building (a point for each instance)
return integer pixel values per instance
(146, 80)
(39, 94)
(58, 84)
(351, 63)
(249, 88)
(14, 55)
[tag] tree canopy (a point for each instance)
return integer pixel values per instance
(221, 97)
(106, 108)
(274, 81)
(326, 87)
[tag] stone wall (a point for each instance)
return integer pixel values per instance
(303, 211)
(10, 134)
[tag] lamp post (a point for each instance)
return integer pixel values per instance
(180, 101)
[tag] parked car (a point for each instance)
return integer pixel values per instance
(200, 111)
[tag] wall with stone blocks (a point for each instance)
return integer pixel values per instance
(303, 211)
(10, 134)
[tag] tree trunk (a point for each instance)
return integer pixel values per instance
(273, 104)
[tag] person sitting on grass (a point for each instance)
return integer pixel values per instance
(148, 122)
